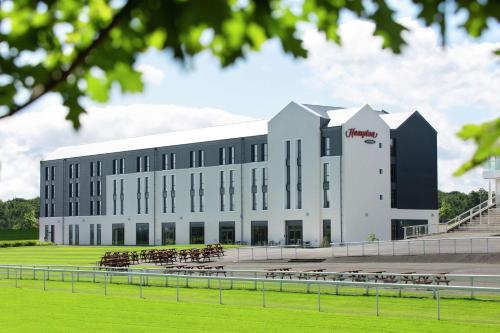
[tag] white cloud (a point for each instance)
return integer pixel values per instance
(450, 87)
(25, 139)
(151, 74)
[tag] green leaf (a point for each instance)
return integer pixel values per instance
(98, 88)
(128, 78)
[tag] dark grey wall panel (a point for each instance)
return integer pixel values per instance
(415, 157)
(335, 135)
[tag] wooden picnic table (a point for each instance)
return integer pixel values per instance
(275, 272)
(407, 277)
(317, 274)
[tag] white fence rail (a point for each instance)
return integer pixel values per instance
(141, 280)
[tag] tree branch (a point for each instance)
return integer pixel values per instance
(80, 59)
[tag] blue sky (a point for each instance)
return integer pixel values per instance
(450, 87)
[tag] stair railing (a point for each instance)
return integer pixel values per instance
(467, 216)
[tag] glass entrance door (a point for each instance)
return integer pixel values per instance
(226, 232)
(168, 233)
(118, 233)
(197, 234)
(294, 232)
(259, 233)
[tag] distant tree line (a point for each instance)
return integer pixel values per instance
(19, 214)
(454, 203)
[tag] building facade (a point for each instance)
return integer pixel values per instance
(312, 174)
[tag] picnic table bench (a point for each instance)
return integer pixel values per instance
(316, 273)
(441, 277)
(279, 272)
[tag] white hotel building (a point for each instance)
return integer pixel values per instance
(312, 174)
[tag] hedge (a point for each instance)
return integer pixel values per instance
(19, 243)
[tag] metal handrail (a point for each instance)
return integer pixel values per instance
(409, 240)
(471, 213)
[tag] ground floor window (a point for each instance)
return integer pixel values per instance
(168, 233)
(226, 232)
(259, 233)
(91, 234)
(293, 232)
(70, 236)
(397, 227)
(77, 234)
(142, 234)
(327, 233)
(98, 234)
(197, 233)
(118, 234)
(46, 233)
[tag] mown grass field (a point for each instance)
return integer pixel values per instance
(29, 309)
(65, 255)
(9, 235)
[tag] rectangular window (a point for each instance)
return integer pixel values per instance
(47, 213)
(91, 169)
(192, 159)
(70, 209)
(115, 167)
(327, 146)
(99, 168)
(70, 171)
(172, 161)
(264, 189)
(77, 234)
(98, 207)
(91, 233)
(142, 234)
(138, 164)
(77, 170)
(263, 152)
(326, 185)
(52, 210)
(91, 189)
(164, 162)
(191, 191)
(201, 158)
(287, 175)
(221, 191)
(138, 195)
(70, 234)
(77, 190)
(231, 155)
(99, 189)
(98, 240)
(46, 191)
(146, 195)
(52, 191)
(380, 171)
(231, 190)
(70, 190)
(122, 166)
(201, 193)
(117, 233)
(146, 164)
(254, 153)
(77, 208)
(53, 173)
(164, 194)
(168, 233)
(381, 197)
(254, 189)
(91, 208)
(222, 156)
(299, 175)
(46, 173)
(114, 196)
(172, 193)
(122, 197)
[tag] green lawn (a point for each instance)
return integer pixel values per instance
(31, 234)
(65, 255)
(58, 310)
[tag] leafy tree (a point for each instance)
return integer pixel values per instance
(19, 214)
(454, 203)
(82, 48)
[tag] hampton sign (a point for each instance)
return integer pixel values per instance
(353, 132)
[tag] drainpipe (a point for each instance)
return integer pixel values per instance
(241, 187)
(64, 196)
(341, 199)
(154, 194)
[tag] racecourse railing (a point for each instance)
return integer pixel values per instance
(421, 246)
(141, 281)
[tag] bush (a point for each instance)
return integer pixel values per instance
(20, 243)
(372, 238)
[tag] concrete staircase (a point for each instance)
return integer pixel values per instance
(487, 221)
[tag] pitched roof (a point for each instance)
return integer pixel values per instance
(394, 120)
(214, 133)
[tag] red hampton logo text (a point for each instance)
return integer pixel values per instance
(352, 132)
